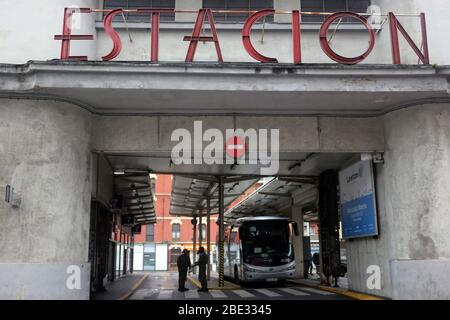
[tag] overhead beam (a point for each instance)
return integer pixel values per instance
(275, 194)
(134, 188)
(138, 204)
(240, 178)
(183, 194)
(199, 177)
(187, 207)
(148, 210)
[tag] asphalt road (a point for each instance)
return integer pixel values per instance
(164, 286)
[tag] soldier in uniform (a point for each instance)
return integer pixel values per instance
(202, 264)
(183, 264)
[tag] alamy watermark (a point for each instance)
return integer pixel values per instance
(374, 279)
(73, 281)
(234, 146)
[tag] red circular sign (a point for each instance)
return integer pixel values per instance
(235, 147)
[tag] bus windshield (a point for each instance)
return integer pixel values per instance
(266, 243)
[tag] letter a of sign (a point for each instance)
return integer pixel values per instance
(67, 36)
(196, 37)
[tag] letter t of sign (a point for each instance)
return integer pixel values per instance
(195, 38)
(155, 18)
(67, 36)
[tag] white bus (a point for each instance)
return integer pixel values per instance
(260, 249)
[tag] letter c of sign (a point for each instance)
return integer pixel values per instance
(324, 39)
(246, 36)
(112, 34)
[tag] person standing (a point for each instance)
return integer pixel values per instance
(202, 264)
(307, 263)
(316, 261)
(183, 264)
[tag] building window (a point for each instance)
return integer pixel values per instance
(174, 254)
(150, 233)
(359, 6)
(136, 4)
(252, 5)
(176, 232)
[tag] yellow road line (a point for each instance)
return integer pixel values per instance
(342, 292)
(134, 288)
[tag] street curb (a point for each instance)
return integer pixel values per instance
(231, 286)
(342, 292)
(134, 288)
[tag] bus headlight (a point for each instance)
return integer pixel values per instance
(247, 269)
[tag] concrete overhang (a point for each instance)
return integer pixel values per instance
(134, 88)
(190, 193)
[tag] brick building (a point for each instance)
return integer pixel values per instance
(158, 245)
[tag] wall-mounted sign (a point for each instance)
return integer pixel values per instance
(358, 203)
(154, 20)
(8, 193)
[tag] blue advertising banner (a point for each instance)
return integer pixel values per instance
(358, 205)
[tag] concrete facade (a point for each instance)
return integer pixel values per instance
(412, 249)
(45, 155)
(276, 41)
(54, 116)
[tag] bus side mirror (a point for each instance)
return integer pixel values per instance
(295, 228)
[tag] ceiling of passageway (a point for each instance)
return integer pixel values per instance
(190, 193)
(194, 184)
(137, 190)
(274, 198)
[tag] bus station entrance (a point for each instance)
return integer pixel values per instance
(267, 213)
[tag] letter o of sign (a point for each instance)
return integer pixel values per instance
(324, 39)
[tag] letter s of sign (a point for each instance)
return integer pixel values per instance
(374, 280)
(73, 281)
(109, 29)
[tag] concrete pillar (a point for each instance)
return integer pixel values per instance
(417, 162)
(194, 245)
(200, 229)
(297, 216)
(208, 236)
(221, 233)
(45, 154)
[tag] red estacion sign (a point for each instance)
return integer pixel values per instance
(196, 36)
